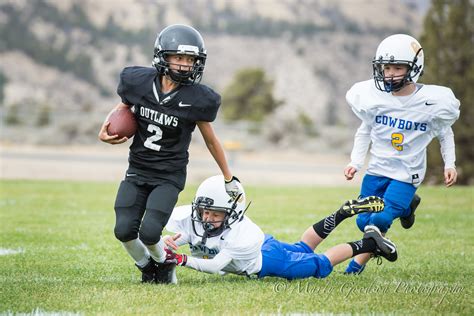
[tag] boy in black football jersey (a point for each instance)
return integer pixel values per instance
(168, 103)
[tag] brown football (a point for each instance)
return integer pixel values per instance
(122, 123)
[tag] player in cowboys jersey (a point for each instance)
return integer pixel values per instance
(222, 239)
(399, 119)
(168, 103)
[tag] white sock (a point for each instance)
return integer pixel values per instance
(137, 250)
(157, 251)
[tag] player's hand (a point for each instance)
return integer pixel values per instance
(176, 258)
(232, 188)
(170, 241)
(450, 176)
(110, 139)
(349, 172)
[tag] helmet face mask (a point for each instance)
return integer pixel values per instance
(210, 229)
(211, 196)
(180, 39)
(391, 84)
(184, 75)
(398, 49)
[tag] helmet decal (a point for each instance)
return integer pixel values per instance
(186, 49)
(416, 47)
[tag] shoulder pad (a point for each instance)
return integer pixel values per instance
(136, 76)
(134, 83)
(442, 100)
(206, 102)
(363, 95)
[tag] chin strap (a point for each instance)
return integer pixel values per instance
(207, 227)
(204, 238)
(391, 87)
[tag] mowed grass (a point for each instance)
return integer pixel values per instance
(67, 259)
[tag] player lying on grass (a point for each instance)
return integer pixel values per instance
(223, 240)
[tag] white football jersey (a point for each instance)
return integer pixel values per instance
(400, 132)
(243, 242)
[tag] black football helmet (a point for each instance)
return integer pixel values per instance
(180, 39)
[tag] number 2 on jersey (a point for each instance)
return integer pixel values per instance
(150, 141)
(397, 141)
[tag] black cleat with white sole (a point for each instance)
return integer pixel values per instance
(384, 247)
(165, 273)
(372, 204)
(408, 221)
(148, 271)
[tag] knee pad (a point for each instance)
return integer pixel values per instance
(382, 221)
(363, 220)
(125, 233)
(325, 267)
(152, 226)
(127, 213)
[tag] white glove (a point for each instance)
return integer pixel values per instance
(232, 188)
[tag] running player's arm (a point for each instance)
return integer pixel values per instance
(104, 135)
(446, 113)
(359, 151)
(360, 102)
(446, 141)
(361, 146)
(125, 92)
(214, 147)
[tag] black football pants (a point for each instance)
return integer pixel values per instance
(143, 210)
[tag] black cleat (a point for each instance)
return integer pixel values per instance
(373, 204)
(384, 247)
(407, 222)
(165, 273)
(148, 272)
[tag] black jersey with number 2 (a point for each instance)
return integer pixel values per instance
(165, 121)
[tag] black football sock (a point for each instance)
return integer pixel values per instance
(325, 226)
(362, 246)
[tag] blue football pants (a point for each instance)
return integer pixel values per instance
(292, 261)
(397, 197)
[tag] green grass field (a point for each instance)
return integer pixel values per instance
(64, 257)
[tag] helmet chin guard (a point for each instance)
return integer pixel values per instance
(398, 49)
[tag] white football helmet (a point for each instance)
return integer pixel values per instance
(398, 49)
(211, 195)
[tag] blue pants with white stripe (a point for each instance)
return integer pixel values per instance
(292, 261)
(397, 197)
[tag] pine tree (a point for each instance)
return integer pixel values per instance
(249, 96)
(448, 43)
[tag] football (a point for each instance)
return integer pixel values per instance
(122, 123)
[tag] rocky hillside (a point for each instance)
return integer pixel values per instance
(59, 60)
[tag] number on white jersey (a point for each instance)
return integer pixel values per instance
(397, 141)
